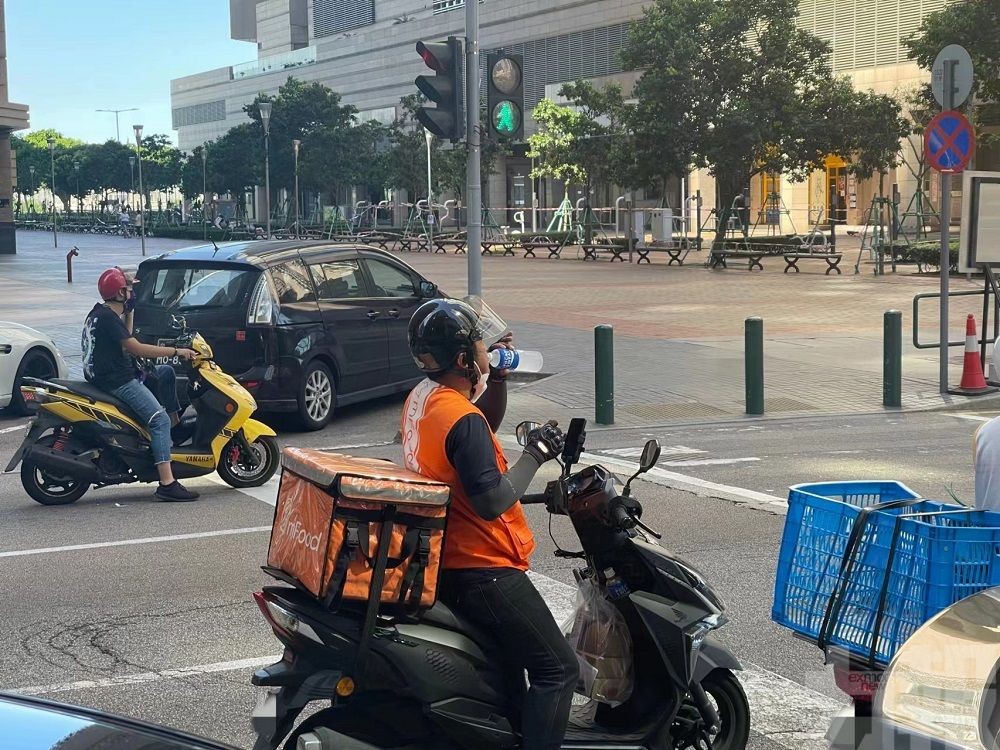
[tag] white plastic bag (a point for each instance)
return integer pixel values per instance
(599, 635)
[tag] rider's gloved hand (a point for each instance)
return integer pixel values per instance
(545, 442)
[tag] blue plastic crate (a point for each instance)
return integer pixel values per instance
(907, 568)
(819, 522)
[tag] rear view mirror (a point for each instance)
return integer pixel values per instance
(650, 455)
(522, 432)
(428, 289)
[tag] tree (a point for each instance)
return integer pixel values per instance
(299, 111)
(235, 160)
(741, 88)
(976, 25)
(555, 144)
(161, 164)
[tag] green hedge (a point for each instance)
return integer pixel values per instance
(927, 255)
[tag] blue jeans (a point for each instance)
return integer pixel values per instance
(141, 400)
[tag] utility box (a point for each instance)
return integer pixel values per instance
(662, 224)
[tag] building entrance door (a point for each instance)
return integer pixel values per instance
(836, 189)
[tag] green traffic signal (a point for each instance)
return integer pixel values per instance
(506, 118)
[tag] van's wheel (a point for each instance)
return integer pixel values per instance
(238, 472)
(50, 489)
(36, 363)
(317, 395)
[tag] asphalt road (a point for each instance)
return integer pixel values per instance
(163, 626)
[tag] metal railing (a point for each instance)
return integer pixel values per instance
(983, 341)
(304, 56)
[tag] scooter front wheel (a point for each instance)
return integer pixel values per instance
(726, 693)
(239, 471)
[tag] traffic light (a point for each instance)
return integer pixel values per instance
(444, 88)
(505, 94)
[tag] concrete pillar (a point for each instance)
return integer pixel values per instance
(8, 242)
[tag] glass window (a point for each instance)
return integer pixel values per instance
(390, 281)
(292, 283)
(176, 287)
(340, 279)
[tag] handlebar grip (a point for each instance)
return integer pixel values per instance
(621, 517)
(533, 499)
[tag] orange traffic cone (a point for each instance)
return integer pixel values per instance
(973, 382)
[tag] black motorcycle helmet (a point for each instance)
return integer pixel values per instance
(441, 329)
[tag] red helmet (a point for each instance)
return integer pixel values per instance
(111, 283)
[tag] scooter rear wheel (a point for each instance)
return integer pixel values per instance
(46, 488)
(236, 472)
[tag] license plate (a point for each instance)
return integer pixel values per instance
(172, 361)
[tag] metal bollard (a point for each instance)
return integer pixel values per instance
(892, 358)
(69, 264)
(604, 374)
(753, 357)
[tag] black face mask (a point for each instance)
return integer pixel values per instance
(129, 303)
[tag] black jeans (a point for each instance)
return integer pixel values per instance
(511, 608)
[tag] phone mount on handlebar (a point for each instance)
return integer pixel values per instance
(576, 436)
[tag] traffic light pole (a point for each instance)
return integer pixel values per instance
(473, 184)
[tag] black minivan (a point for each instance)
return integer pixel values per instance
(305, 326)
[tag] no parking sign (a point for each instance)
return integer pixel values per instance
(949, 142)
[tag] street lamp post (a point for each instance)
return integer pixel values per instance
(295, 145)
(131, 167)
(118, 133)
(265, 120)
(142, 206)
(428, 138)
(52, 159)
(79, 198)
(204, 190)
(31, 170)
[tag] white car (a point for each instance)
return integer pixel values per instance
(25, 352)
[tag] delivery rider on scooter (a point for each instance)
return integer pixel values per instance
(448, 430)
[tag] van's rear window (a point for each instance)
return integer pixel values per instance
(177, 287)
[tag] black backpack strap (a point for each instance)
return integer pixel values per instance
(413, 580)
(375, 591)
(352, 544)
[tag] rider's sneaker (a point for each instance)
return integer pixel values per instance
(175, 493)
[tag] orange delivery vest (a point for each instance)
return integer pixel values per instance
(431, 410)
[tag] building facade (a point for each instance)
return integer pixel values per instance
(12, 117)
(364, 50)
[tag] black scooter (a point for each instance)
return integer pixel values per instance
(431, 684)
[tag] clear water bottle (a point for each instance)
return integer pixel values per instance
(615, 586)
(520, 360)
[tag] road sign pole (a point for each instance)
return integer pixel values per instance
(473, 184)
(945, 213)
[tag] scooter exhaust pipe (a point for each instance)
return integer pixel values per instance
(60, 463)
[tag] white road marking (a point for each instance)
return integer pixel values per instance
(15, 428)
(666, 450)
(694, 485)
(970, 417)
(130, 542)
(267, 493)
(147, 677)
(710, 461)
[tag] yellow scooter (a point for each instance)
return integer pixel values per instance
(83, 437)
